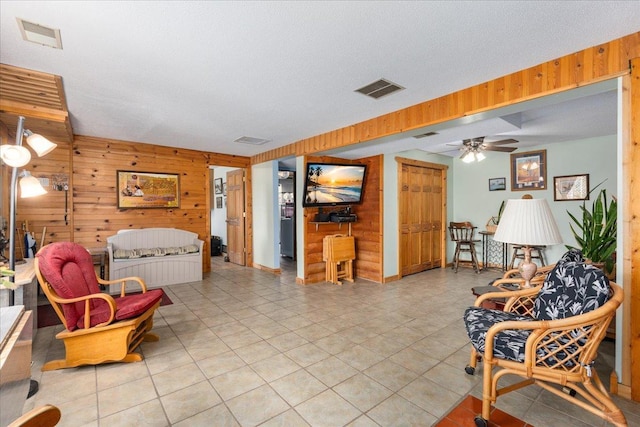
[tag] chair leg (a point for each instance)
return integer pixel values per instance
(474, 258)
(473, 361)
(456, 258)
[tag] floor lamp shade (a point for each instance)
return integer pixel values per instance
(528, 222)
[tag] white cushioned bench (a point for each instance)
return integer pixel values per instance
(160, 256)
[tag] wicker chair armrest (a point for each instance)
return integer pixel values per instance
(507, 294)
(593, 324)
(123, 282)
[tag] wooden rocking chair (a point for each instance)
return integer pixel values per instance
(99, 327)
(548, 335)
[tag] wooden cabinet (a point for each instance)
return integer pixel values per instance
(421, 215)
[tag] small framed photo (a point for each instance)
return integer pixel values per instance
(571, 187)
(497, 184)
(529, 171)
(224, 188)
(219, 202)
(218, 185)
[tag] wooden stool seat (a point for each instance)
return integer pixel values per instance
(537, 252)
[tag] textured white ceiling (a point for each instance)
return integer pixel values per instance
(199, 74)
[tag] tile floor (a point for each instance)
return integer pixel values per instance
(246, 348)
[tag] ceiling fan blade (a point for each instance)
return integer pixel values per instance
(503, 149)
(504, 141)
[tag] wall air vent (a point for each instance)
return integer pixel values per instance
(251, 140)
(40, 34)
(379, 88)
(424, 135)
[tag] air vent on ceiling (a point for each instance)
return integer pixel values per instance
(40, 34)
(379, 88)
(424, 135)
(251, 140)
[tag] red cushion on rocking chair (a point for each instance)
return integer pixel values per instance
(127, 307)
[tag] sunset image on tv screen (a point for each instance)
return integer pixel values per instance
(327, 184)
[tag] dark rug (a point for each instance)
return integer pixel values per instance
(463, 415)
(47, 315)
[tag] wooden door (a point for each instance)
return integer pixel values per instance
(421, 215)
(236, 217)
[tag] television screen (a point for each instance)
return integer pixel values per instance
(331, 184)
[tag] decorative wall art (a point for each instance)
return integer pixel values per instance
(571, 187)
(138, 190)
(529, 171)
(497, 184)
(218, 185)
(219, 202)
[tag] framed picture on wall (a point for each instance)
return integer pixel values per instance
(137, 190)
(571, 187)
(529, 171)
(219, 202)
(224, 188)
(218, 185)
(497, 184)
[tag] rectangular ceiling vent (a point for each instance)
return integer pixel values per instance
(251, 140)
(379, 88)
(424, 135)
(40, 34)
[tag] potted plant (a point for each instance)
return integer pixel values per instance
(4, 282)
(492, 224)
(596, 231)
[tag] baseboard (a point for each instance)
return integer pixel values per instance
(275, 271)
(390, 279)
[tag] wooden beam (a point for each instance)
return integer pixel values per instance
(34, 111)
(631, 226)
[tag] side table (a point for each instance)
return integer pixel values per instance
(502, 250)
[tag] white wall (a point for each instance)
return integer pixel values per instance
(219, 216)
(266, 218)
(472, 200)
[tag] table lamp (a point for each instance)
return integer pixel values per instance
(527, 222)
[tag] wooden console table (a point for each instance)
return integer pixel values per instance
(16, 335)
(26, 293)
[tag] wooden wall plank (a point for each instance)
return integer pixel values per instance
(587, 66)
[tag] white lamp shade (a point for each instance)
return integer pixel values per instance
(31, 187)
(15, 155)
(528, 222)
(40, 144)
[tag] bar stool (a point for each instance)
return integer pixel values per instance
(537, 252)
(462, 235)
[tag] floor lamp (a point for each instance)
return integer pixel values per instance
(17, 156)
(527, 222)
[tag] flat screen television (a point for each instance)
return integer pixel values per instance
(333, 184)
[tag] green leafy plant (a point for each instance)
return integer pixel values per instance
(4, 282)
(500, 210)
(596, 231)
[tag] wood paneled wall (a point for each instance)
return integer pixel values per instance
(367, 230)
(93, 215)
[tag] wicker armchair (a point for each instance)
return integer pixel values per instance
(548, 335)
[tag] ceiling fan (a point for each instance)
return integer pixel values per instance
(472, 148)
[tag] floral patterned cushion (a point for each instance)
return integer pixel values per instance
(508, 344)
(571, 288)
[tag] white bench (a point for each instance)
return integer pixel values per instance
(143, 250)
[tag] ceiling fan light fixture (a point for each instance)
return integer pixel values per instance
(468, 157)
(480, 157)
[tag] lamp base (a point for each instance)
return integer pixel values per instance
(527, 268)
